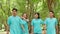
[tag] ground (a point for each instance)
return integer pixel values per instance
(2, 32)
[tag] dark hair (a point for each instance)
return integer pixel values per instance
(14, 9)
(38, 15)
(53, 13)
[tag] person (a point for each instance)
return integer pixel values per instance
(36, 24)
(51, 24)
(25, 24)
(14, 23)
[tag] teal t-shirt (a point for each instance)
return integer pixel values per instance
(36, 23)
(51, 24)
(25, 24)
(14, 24)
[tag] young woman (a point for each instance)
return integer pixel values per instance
(51, 24)
(25, 24)
(36, 24)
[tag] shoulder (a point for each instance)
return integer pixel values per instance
(47, 18)
(40, 19)
(33, 19)
(19, 17)
(9, 17)
(55, 18)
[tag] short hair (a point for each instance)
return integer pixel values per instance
(38, 15)
(14, 9)
(53, 13)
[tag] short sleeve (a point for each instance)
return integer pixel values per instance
(45, 22)
(56, 22)
(20, 20)
(42, 21)
(32, 23)
(8, 21)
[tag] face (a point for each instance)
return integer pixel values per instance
(14, 12)
(24, 15)
(36, 15)
(51, 14)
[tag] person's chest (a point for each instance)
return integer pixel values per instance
(24, 22)
(14, 20)
(51, 22)
(36, 22)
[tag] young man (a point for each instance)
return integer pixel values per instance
(51, 24)
(14, 23)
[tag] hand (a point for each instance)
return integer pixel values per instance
(22, 17)
(57, 32)
(7, 32)
(32, 33)
(44, 32)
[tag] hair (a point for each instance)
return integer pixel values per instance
(14, 9)
(26, 15)
(38, 15)
(53, 13)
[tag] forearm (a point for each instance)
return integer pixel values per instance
(32, 29)
(7, 28)
(23, 27)
(44, 27)
(57, 29)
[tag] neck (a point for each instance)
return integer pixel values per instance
(14, 15)
(51, 17)
(36, 18)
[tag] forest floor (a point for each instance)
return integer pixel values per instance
(2, 32)
(5, 32)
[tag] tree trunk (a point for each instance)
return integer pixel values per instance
(30, 12)
(50, 4)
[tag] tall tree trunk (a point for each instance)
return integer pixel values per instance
(50, 4)
(30, 12)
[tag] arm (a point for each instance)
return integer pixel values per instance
(7, 29)
(8, 24)
(23, 28)
(25, 19)
(44, 26)
(32, 30)
(44, 29)
(56, 26)
(32, 26)
(56, 29)
(22, 24)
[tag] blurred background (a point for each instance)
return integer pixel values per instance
(29, 7)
